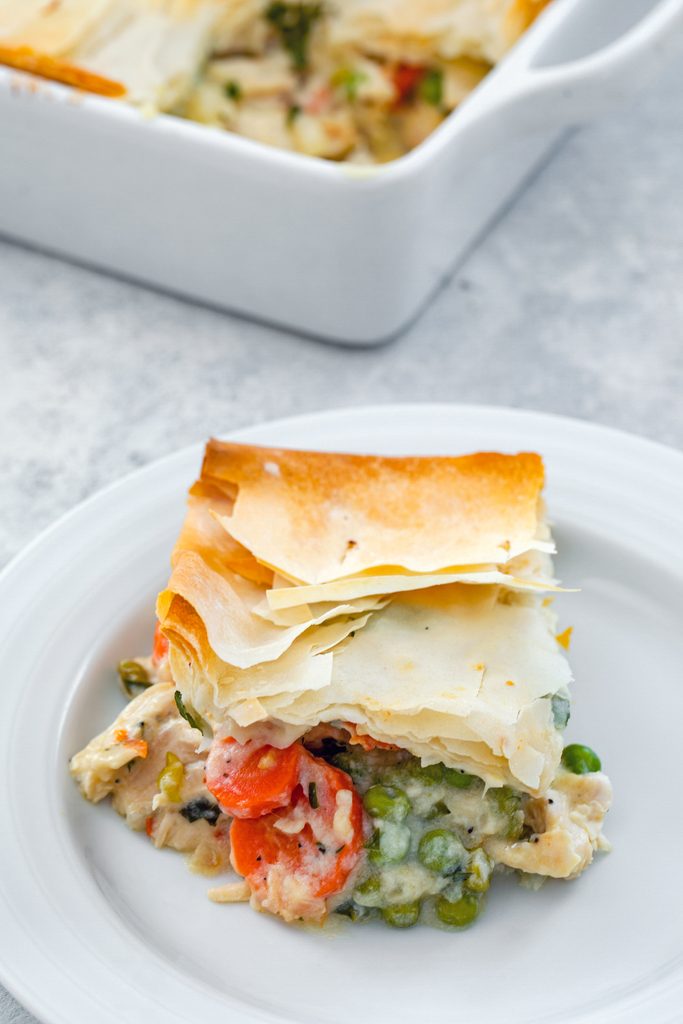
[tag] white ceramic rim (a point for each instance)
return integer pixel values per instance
(640, 46)
(636, 480)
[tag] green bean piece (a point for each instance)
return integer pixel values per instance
(132, 674)
(441, 852)
(458, 914)
(402, 915)
(580, 760)
(171, 776)
(350, 81)
(431, 87)
(457, 778)
(387, 802)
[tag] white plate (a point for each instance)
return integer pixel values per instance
(97, 926)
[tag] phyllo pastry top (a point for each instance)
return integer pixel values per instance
(146, 50)
(417, 606)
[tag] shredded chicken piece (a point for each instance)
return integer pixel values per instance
(567, 823)
(231, 892)
(112, 765)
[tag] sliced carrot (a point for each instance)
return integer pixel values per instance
(295, 858)
(139, 746)
(159, 647)
(319, 101)
(249, 780)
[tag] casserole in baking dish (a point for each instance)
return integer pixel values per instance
(364, 80)
(339, 251)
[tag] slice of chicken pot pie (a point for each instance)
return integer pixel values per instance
(376, 751)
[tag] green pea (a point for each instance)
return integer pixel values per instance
(509, 804)
(504, 799)
(369, 892)
(390, 844)
(580, 760)
(457, 778)
(458, 914)
(431, 774)
(441, 851)
(402, 915)
(387, 802)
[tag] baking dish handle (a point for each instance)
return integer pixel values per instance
(585, 88)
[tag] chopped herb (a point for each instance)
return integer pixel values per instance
(294, 23)
(350, 82)
(353, 911)
(292, 114)
(339, 849)
(431, 87)
(201, 809)
(313, 795)
(233, 90)
(191, 717)
(321, 847)
(330, 747)
(437, 810)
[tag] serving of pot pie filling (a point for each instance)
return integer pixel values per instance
(357, 692)
(354, 80)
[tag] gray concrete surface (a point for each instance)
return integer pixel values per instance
(572, 304)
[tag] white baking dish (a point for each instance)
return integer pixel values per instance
(335, 251)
